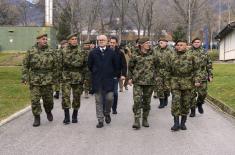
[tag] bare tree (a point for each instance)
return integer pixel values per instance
(8, 13)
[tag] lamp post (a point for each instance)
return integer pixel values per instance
(189, 20)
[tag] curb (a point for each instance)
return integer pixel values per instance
(15, 115)
(226, 109)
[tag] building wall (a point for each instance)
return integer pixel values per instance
(23, 38)
(227, 47)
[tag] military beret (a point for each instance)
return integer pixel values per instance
(63, 42)
(72, 35)
(163, 39)
(195, 39)
(181, 40)
(143, 40)
(86, 42)
(41, 35)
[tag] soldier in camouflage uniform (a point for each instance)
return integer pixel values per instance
(87, 47)
(142, 75)
(162, 52)
(73, 65)
(39, 68)
(199, 93)
(63, 44)
(183, 73)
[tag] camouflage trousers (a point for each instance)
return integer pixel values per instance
(56, 87)
(87, 85)
(44, 92)
(161, 88)
(180, 102)
(199, 94)
(77, 90)
(142, 98)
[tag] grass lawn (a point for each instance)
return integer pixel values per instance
(11, 59)
(223, 85)
(13, 95)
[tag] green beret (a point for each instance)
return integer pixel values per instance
(86, 42)
(72, 35)
(163, 39)
(41, 35)
(181, 40)
(143, 40)
(63, 42)
(195, 39)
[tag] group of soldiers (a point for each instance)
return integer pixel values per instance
(182, 71)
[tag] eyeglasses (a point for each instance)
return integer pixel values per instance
(102, 40)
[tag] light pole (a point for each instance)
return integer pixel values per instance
(189, 20)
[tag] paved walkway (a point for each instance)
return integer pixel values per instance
(210, 134)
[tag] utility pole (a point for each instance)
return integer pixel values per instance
(229, 12)
(48, 12)
(189, 20)
(219, 15)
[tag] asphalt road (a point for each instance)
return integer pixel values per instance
(212, 133)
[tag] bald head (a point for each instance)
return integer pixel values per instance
(102, 40)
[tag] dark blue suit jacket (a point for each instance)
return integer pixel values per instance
(103, 67)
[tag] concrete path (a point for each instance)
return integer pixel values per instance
(210, 134)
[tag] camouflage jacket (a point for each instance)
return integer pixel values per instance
(39, 66)
(162, 55)
(183, 70)
(205, 63)
(87, 73)
(73, 63)
(142, 68)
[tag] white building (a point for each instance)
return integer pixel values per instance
(227, 42)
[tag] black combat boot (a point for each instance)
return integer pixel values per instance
(100, 124)
(75, 116)
(57, 95)
(66, 117)
(182, 125)
(136, 124)
(176, 125)
(166, 100)
(49, 116)
(162, 104)
(200, 109)
(36, 122)
(193, 112)
(107, 119)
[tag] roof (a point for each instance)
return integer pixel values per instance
(229, 28)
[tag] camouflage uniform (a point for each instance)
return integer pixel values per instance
(57, 81)
(205, 72)
(161, 87)
(183, 72)
(39, 70)
(141, 71)
(73, 64)
(87, 82)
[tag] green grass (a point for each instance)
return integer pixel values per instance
(11, 59)
(223, 85)
(13, 95)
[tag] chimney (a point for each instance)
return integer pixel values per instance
(48, 12)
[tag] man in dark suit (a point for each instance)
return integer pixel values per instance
(103, 64)
(122, 69)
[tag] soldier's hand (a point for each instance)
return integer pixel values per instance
(197, 84)
(24, 82)
(130, 82)
(210, 79)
